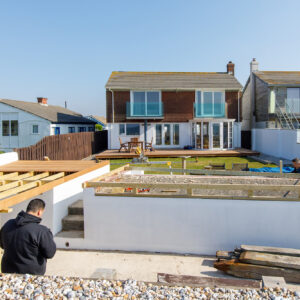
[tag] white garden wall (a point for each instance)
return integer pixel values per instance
(281, 143)
(184, 225)
(7, 158)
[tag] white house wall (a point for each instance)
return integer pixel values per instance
(276, 142)
(64, 128)
(25, 136)
(185, 225)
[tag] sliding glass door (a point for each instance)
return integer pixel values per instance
(167, 135)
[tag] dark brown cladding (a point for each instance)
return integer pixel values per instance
(231, 98)
(178, 106)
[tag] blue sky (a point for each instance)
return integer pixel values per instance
(66, 49)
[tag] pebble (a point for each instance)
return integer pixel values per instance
(56, 287)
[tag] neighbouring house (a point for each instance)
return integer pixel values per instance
(25, 123)
(174, 109)
(271, 112)
(98, 120)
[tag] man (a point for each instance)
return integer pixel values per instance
(296, 165)
(26, 243)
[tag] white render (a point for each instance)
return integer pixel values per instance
(26, 120)
(7, 158)
(184, 225)
(282, 143)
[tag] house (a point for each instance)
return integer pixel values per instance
(271, 108)
(99, 120)
(25, 123)
(174, 109)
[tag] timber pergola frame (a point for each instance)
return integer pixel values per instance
(19, 186)
(137, 189)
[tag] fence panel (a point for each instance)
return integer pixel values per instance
(72, 146)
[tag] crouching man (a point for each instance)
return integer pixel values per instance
(27, 244)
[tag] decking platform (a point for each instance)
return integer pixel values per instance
(111, 154)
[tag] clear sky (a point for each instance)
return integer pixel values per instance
(66, 49)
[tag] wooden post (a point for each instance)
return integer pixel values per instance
(280, 166)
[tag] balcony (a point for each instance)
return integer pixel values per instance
(213, 110)
(144, 111)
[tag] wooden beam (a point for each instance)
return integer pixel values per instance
(272, 260)
(18, 189)
(255, 271)
(272, 250)
(37, 177)
(20, 177)
(207, 281)
(10, 185)
(53, 177)
(10, 175)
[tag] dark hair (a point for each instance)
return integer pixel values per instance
(296, 159)
(35, 205)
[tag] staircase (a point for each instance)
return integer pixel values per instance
(73, 223)
(286, 118)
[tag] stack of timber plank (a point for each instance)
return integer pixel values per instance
(253, 262)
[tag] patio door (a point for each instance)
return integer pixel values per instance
(216, 136)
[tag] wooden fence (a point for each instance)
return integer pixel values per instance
(70, 146)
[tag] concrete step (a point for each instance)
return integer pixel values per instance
(76, 208)
(73, 234)
(73, 222)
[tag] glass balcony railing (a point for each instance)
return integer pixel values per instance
(144, 110)
(216, 110)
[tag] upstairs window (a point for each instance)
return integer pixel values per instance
(210, 103)
(146, 103)
(35, 129)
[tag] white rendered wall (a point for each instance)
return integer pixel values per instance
(64, 128)
(57, 200)
(281, 143)
(26, 120)
(185, 225)
(7, 158)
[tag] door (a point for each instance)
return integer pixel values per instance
(216, 136)
(57, 130)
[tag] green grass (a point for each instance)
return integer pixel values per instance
(192, 163)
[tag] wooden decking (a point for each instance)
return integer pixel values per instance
(110, 154)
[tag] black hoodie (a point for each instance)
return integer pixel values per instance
(26, 244)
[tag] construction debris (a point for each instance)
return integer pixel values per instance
(254, 262)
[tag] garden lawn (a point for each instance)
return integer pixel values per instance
(192, 163)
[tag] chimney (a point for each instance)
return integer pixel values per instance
(253, 66)
(42, 100)
(230, 68)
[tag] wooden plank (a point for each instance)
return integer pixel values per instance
(273, 260)
(20, 177)
(272, 250)
(257, 187)
(224, 254)
(53, 177)
(256, 271)
(7, 176)
(37, 177)
(11, 185)
(18, 189)
(207, 281)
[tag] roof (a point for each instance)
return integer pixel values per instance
(171, 80)
(53, 113)
(279, 77)
(98, 119)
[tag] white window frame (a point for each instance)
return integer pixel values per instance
(171, 135)
(202, 91)
(145, 91)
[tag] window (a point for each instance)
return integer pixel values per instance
(10, 128)
(158, 134)
(5, 128)
(91, 128)
(175, 134)
(293, 100)
(146, 103)
(167, 135)
(210, 104)
(71, 129)
(57, 130)
(14, 128)
(121, 129)
(82, 129)
(132, 129)
(35, 129)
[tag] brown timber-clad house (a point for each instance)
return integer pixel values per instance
(201, 110)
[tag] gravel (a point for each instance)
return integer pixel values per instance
(55, 287)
